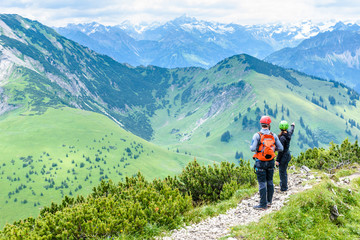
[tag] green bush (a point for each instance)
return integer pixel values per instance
(135, 207)
(110, 210)
(335, 157)
(225, 137)
(210, 184)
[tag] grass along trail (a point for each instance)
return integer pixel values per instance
(244, 213)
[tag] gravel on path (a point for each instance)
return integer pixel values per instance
(244, 213)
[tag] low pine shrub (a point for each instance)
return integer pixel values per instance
(110, 210)
(333, 158)
(213, 183)
(135, 207)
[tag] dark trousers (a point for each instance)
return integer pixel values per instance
(283, 165)
(265, 173)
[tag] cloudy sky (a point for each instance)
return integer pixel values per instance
(112, 12)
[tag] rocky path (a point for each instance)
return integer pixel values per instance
(244, 213)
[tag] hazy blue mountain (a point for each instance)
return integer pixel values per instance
(110, 41)
(330, 55)
(186, 41)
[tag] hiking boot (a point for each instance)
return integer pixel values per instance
(268, 204)
(281, 191)
(259, 207)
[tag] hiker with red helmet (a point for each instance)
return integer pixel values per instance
(264, 144)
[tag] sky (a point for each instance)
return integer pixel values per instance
(246, 12)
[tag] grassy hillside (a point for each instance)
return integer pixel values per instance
(142, 209)
(233, 95)
(138, 208)
(66, 152)
(39, 64)
(309, 215)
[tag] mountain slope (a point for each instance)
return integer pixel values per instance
(232, 96)
(50, 148)
(67, 73)
(331, 55)
(67, 151)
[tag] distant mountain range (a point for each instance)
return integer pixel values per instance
(326, 50)
(186, 41)
(330, 55)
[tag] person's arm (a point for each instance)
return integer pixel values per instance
(280, 154)
(254, 142)
(278, 144)
(292, 128)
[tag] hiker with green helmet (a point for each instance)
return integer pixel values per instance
(284, 157)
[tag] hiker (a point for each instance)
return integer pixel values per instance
(284, 157)
(264, 144)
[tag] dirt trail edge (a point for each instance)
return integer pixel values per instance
(244, 213)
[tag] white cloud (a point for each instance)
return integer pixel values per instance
(111, 12)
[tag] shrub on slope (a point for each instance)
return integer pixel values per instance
(335, 157)
(133, 207)
(110, 210)
(210, 184)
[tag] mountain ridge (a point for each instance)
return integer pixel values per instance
(332, 55)
(225, 39)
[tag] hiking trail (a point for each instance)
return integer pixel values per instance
(244, 213)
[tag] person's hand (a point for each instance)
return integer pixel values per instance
(277, 163)
(293, 124)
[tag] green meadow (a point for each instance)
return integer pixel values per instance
(67, 151)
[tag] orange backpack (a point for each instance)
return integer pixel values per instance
(266, 147)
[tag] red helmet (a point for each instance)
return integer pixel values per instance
(265, 120)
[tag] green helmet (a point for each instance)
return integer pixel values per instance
(283, 125)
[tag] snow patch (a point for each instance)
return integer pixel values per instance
(195, 59)
(348, 58)
(114, 119)
(204, 27)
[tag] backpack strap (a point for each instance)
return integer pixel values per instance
(259, 142)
